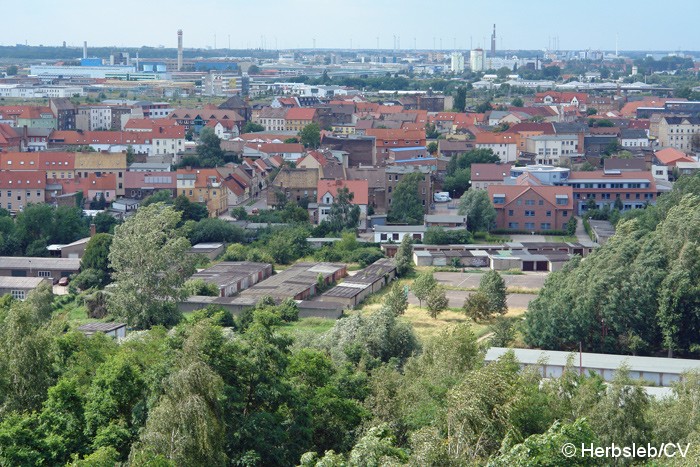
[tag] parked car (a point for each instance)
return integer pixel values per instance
(63, 281)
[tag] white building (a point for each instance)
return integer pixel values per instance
(39, 92)
(477, 59)
(94, 118)
(550, 148)
(457, 62)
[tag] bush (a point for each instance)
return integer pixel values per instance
(96, 305)
(88, 279)
(199, 287)
(571, 226)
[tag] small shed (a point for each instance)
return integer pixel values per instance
(117, 330)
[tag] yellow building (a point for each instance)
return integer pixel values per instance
(203, 186)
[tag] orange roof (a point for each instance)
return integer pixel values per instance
(359, 189)
(202, 176)
(670, 156)
(301, 113)
(20, 180)
(100, 137)
(549, 193)
(630, 108)
(37, 161)
(278, 148)
(389, 109)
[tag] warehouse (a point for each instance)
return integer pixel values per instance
(232, 277)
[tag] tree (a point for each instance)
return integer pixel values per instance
(104, 222)
(432, 148)
(130, 155)
(571, 226)
(458, 174)
(404, 257)
(437, 301)
(517, 102)
(160, 196)
(494, 287)
(150, 263)
(396, 300)
(484, 107)
(421, 287)
(310, 136)
(461, 99)
(190, 211)
(406, 206)
(343, 213)
(481, 214)
(252, 127)
(503, 330)
(477, 306)
(11, 70)
(209, 148)
(96, 255)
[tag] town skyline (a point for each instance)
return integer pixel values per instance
(521, 28)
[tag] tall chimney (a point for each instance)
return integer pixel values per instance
(179, 50)
(85, 49)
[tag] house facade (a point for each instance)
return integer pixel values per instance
(531, 208)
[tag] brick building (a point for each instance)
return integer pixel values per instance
(531, 208)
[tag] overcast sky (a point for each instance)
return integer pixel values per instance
(521, 24)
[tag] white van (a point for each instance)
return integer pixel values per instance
(442, 197)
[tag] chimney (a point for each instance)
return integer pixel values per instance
(85, 49)
(93, 230)
(179, 50)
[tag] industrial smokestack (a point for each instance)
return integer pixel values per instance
(179, 50)
(85, 49)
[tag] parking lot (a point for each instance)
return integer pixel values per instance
(528, 280)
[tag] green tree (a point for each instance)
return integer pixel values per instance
(460, 102)
(160, 196)
(517, 102)
(209, 148)
(436, 301)
(104, 222)
(476, 306)
(396, 300)
(484, 107)
(406, 206)
(423, 285)
(190, 211)
(252, 127)
(494, 287)
(404, 257)
(432, 148)
(481, 214)
(11, 70)
(310, 136)
(343, 213)
(503, 330)
(150, 265)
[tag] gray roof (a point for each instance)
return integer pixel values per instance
(599, 361)
(101, 327)
(149, 166)
(401, 169)
(446, 218)
(230, 272)
(7, 282)
(633, 133)
(21, 262)
(400, 228)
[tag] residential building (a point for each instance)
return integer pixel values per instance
(634, 138)
(457, 62)
(328, 191)
(20, 287)
(386, 139)
(669, 157)
(65, 113)
(196, 119)
(50, 268)
(537, 175)
(100, 164)
(634, 189)
(17, 189)
(531, 208)
(361, 150)
(376, 180)
(10, 140)
(503, 145)
(293, 185)
(298, 117)
(549, 149)
(94, 118)
(203, 186)
(57, 165)
(396, 233)
(140, 185)
(525, 130)
(395, 174)
(476, 60)
(574, 99)
(273, 119)
(679, 132)
(484, 175)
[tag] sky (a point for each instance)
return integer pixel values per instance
(271, 24)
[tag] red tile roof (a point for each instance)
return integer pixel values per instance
(549, 193)
(670, 156)
(545, 127)
(100, 137)
(400, 134)
(7, 134)
(43, 160)
(299, 113)
(138, 180)
(34, 179)
(359, 189)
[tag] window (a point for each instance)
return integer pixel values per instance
(510, 212)
(541, 202)
(565, 214)
(529, 225)
(499, 199)
(529, 202)
(44, 274)
(512, 225)
(563, 201)
(545, 226)
(549, 213)
(529, 213)
(382, 236)
(18, 294)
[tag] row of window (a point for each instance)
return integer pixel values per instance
(609, 185)
(534, 214)
(617, 196)
(530, 225)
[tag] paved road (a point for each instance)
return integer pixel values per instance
(456, 299)
(581, 234)
(261, 202)
(527, 238)
(529, 280)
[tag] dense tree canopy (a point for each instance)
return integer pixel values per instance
(406, 205)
